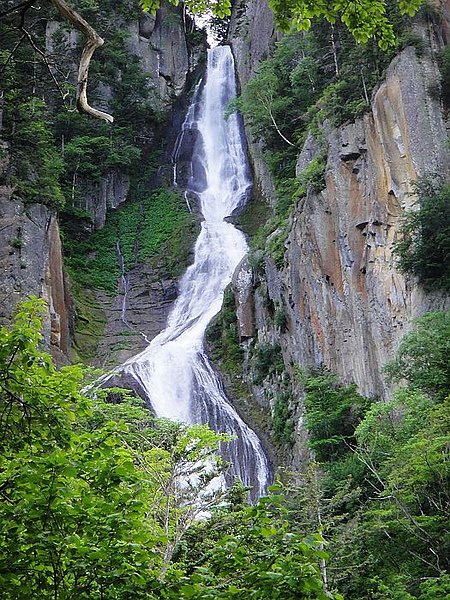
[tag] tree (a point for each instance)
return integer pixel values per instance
(423, 358)
(365, 19)
(100, 501)
(424, 248)
(253, 552)
(94, 495)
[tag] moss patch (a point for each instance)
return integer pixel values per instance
(90, 323)
(253, 216)
(158, 230)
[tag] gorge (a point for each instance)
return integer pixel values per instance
(174, 371)
(259, 243)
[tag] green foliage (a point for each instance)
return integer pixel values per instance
(157, 229)
(93, 156)
(16, 242)
(251, 552)
(266, 360)
(73, 505)
(381, 490)
(95, 502)
(91, 504)
(282, 420)
(313, 176)
(38, 164)
(276, 244)
(223, 336)
(424, 249)
(280, 319)
(364, 19)
(423, 358)
(332, 414)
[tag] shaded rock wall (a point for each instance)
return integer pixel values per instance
(31, 263)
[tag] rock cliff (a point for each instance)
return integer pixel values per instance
(31, 262)
(347, 304)
(166, 60)
(342, 301)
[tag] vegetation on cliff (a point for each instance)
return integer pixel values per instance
(424, 250)
(380, 486)
(313, 80)
(158, 229)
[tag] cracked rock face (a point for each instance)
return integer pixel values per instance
(160, 44)
(31, 263)
(348, 305)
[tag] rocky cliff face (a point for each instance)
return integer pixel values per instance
(31, 263)
(348, 306)
(344, 303)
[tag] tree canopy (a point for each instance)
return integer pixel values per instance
(365, 19)
(100, 501)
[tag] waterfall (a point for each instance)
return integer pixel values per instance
(174, 370)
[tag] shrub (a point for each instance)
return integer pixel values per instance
(267, 360)
(424, 249)
(282, 421)
(333, 412)
(423, 356)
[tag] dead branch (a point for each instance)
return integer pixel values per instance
(93, 41)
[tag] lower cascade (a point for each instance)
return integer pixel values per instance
(174, 370)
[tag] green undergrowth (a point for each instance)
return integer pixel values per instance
(223, 337)
(90, 323)
(254, 214)
(158, 230)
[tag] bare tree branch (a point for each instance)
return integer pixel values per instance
(93, 41)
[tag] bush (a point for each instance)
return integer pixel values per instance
(282, 421)
(267, 360)
(423, 358)
(223, 336)
(333, 412)
(424, 250)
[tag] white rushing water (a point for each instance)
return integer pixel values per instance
(174, 370)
